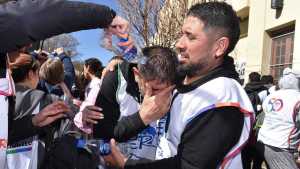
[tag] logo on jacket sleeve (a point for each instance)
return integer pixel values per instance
(3, 143)
(274, 105)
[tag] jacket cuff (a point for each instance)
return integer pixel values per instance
(138, 120)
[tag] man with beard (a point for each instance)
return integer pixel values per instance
(210, 116)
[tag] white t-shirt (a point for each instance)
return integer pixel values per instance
(281, 123)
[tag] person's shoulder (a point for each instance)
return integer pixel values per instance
(109, 84)
(227, 90)
(222, 84)
(220, 89)
(110, 77)
(48, 97)
(95, 81)
(28, 91)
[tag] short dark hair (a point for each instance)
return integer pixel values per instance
(254, 77)
(161, 63)
(95, 66)
(267, 79)
(117, 57)
(221, 16)
(21, 67)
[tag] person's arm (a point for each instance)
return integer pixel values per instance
(69, 72)
(21, 129)
(128, 127)
(106, 99)
(110, 127)
(204, 143)
(27, 21)
(31, 125)
(83, 119)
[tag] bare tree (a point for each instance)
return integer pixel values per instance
(171, 19)
(143, 16)
(156, 22)
(67, 41)
(169, 22)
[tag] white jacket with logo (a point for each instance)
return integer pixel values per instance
(281, 124)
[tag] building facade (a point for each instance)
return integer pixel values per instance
(269, 39)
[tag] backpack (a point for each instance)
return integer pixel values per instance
(64, 154)
(256, 102)
(260, 116)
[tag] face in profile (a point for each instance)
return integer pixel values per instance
(86, 72)
(194, 46)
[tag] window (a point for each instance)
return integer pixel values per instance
(281, 54)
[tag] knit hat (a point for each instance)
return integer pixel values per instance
(289, 79)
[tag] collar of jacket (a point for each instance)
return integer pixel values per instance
(254, 87)
(226, 69)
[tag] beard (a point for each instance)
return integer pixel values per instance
(190, 69)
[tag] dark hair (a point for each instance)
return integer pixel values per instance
(267, 79)
(95, 66)
(161, 63)
(254, 77)
(219, 16)
(80, 84)
(21, 67)
(117, 57)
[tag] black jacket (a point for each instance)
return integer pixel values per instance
(2, 65)
(110, 127)
(25, 21)
(254, 87)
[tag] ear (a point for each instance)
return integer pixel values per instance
(31, 74)
(136, 73)
(221, 45)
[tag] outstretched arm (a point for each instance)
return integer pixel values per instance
(27, 21)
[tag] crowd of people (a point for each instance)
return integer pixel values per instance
(275, 135)
(162, 109)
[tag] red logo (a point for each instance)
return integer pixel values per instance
(3, 143)
(275, 105)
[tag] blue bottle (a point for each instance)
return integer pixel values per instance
(101, 145)
(129, 55)
(104, 147)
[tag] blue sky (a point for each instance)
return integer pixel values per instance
(89, 40)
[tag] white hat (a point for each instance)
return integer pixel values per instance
(289, 79)
(288, 70)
